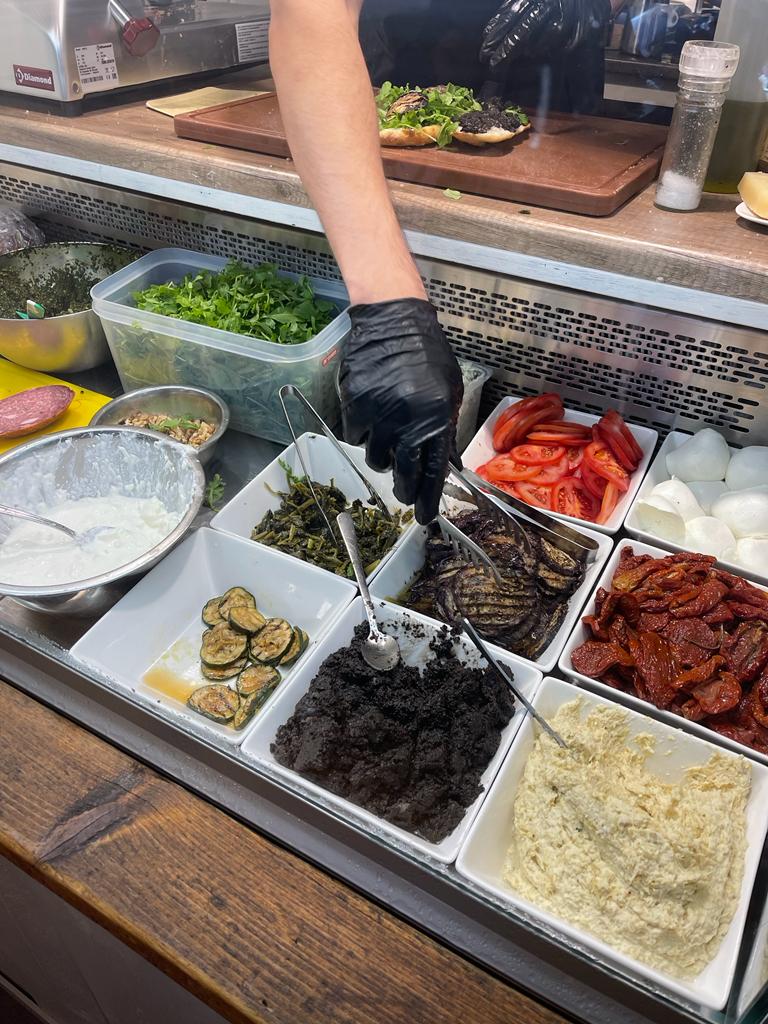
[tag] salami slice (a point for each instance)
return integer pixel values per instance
(31, 410)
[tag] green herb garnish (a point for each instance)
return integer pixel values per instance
(254, 301)
(180, 422)
(445, 105)
(214, 491)
(452, 193)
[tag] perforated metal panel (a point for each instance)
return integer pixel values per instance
(657, 366)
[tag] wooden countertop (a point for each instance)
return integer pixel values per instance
(115, 840)
(709, 249)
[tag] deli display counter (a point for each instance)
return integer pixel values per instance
(659, 316)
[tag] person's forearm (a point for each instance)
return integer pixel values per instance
(330, 121)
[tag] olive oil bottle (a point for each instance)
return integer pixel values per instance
(744, 122)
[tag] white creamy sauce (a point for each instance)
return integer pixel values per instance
(35, 555)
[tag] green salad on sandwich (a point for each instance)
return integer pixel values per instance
(442, 113)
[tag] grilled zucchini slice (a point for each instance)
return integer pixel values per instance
(235, 597)
(244, 619)
(248, 708)
(216, 702)
(211, 614)
(271, 642)
(297, 647)
(221, 646)
(256, 678)
(218, 674)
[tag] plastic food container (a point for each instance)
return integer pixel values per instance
(408, 560)
(483, 854)
(481, 451)
(249, 506)
(149, 348)
(580, 634)
(474, 376)
(413, 649)
(159, 624)
(658, 474)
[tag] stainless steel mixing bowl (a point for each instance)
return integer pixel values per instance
(94, 462)
(173, 400)
(57, 344)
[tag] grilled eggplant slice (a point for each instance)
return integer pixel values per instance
(271, 642)
(222, 645)
(211, 614)
(235, 597)
(296, 648)
(218, 674)
(255, 678)
(216, 702)
(244, 619)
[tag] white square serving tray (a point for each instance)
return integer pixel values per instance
(248, 507)
(580, 634)
(408, 560)
(158, 623)
(484, 851)
(481, 450)
(413, 649)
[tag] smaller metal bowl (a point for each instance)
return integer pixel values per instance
(175, 400)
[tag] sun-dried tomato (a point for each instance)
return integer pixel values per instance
(746, 650)
(721, 613)
(708, 596)
(734, 731)
(619, 631)
(741, 590)
(594, 658)
(653, 622)
(688, 655)
(718, 695)
(692, 631)
(615, 679)
(655, 666)
(701, 674)
(743, 610)
(759, 702)
(600, 595)
(627, 579)
(692, 710)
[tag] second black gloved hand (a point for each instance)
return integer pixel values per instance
(401, 389)
(526, 29)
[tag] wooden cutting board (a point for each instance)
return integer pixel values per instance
(578, 164)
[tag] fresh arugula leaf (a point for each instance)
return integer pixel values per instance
(214, 491)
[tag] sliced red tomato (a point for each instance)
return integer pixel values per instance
(551, 472)
(539, 436)
(506, 468)
(514, 424)
(571, 498)
(609, 502)
(575, 458)
(538, 495)
(564, 427)
(629, 437)
(537, 454)
(527, 404)
(595, 484)
(613, 431)
(600, 459)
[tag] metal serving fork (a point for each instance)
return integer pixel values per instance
(464, 546)
(517, 518)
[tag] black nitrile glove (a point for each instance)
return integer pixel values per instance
(401, 389)
(526, 29)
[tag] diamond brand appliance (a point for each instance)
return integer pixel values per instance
(65, 51)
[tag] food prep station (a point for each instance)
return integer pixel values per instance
(600, 339)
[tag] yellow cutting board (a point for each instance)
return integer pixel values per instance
(15, 378)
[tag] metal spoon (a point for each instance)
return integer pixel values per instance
(502, 671)
(380, 651)
(80, 538)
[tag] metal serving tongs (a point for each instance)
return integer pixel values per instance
(506, 508)
(376, 498)
(501, 671)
